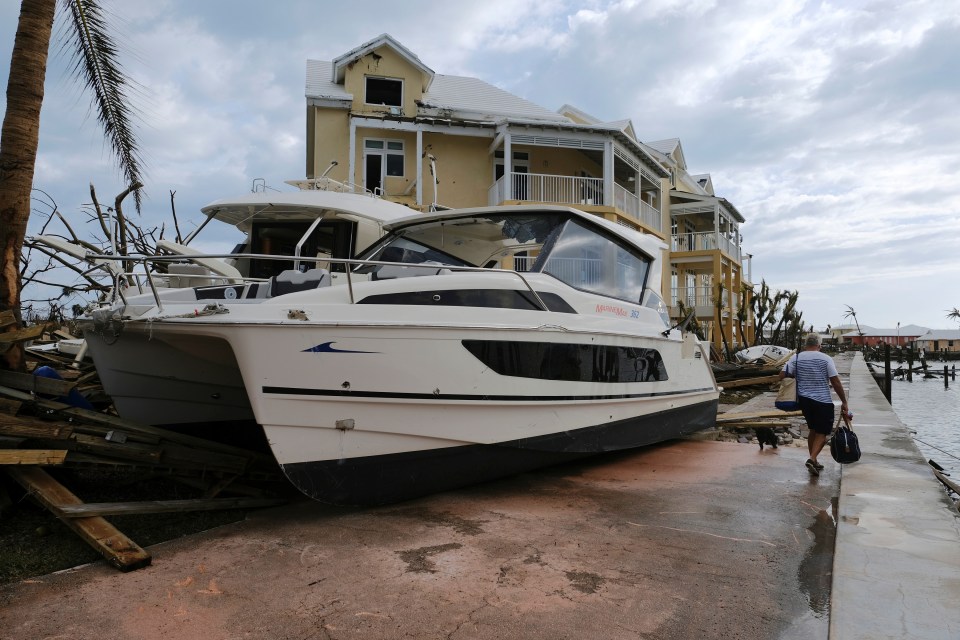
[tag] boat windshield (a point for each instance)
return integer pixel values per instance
(560, 245)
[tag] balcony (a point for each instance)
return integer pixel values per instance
(705, 241)
(572, 190)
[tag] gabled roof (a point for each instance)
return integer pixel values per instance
(385, 39)
(671, 147)
(705, 182)
(941, 334)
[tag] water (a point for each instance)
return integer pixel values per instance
(934, 413)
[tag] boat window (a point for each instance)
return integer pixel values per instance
(475, 241)
(587, 260)
(569, 362)
(401, 249)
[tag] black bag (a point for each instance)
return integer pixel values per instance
(844, 446)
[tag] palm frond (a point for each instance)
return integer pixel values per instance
(96, 62)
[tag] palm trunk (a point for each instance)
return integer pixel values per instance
(18, 147)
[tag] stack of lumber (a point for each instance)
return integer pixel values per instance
(37, 433)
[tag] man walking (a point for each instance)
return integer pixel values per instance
(815, 373)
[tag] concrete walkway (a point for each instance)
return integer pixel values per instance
(896, 570)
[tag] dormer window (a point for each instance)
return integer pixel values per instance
(384, 91)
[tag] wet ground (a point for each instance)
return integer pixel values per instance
(682, 540)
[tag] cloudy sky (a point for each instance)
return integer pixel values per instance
(832, 126)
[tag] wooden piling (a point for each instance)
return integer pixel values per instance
(887, 379)
(946, 378)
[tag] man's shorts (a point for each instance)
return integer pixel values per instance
(819, 415)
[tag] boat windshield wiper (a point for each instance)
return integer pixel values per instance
(682, 325)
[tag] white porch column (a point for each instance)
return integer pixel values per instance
(608, 173)
(507, 167)
(419, 168)
(352, 161)
(716, 225)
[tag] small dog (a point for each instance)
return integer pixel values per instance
(765, 435)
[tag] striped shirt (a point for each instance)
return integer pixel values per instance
(813, 380)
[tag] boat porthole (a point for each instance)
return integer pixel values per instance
(436, 298)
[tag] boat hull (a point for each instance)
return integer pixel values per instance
(184, 383)
(388, 478)
(368, 414)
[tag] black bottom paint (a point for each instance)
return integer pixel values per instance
(392, 478)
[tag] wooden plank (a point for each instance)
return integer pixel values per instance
(32, 456)
(119, 550)
(749, 382)
(125, 451)
(36, 384)
(137, 428)
(27, 428)
(750, 415)
(164, 506)
(947, 482)
(10, 407)
(7, 318)
(20, 335)
(755, 424)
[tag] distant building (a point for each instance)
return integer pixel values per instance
(899, 336)
(937, 340)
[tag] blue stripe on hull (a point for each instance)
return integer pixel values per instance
(395, 477)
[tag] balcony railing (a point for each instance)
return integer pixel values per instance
(636, 208)
(704, 241)
(702, 296)
(540, 187)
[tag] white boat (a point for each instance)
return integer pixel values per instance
(463, 346)
(763, 354)
(186, 384)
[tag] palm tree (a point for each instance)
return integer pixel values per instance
(95, 57)
(954, 314)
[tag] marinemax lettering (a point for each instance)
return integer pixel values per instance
(609, 308)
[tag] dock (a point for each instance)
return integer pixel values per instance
(690, 538)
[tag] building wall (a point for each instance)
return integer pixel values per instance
(331, 141)
(464, 167)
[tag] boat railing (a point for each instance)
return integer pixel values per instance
(149, 280)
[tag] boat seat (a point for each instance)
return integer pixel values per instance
(291, 280)
(190, 275)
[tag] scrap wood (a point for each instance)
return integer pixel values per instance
(32, 456)
(119, 550)
(9, 338)
(36, 384)
(7, 318)
(750, 415)
(26, 428)
(947, 482)
(138, 429)
(749, 382)
(756, 424)
(162, 506)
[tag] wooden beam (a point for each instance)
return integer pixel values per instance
(7, 318)
(137, 428)
(36, 384)
(749, 382)
(119, 550)
(755, 424)
(750, 415)
(28, 333)
(164, 506)
(32, 456)
(27, 428)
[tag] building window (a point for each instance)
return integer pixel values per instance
(384, 91)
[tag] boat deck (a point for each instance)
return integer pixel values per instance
(680, 540)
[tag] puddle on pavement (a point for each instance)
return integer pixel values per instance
(816, 569)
